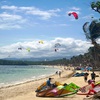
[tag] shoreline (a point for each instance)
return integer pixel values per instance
(24, 82)
(29, 80)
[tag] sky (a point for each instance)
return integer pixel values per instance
(23, 23)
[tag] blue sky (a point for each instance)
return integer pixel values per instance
(25, 22)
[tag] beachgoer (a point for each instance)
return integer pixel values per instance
(86, 76)
(93, 75)
(56, 72)
(59, 73)
(49, 84)
(92, 85)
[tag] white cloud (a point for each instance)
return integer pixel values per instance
(69, 47)
(61, 25)
(6, 16)
(14, 17)
(43, 14)
(9, 7)
(9, 21)
(75, 8)
(9, 26)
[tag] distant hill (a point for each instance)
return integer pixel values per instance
(37, 59)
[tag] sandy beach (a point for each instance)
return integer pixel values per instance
(26, 91)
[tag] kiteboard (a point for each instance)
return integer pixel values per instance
(85, 89)
(41, 87)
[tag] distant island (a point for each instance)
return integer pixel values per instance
(63, 61)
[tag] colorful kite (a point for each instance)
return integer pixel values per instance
(41, 42)
(28, 49)
(57, 45)
(74, 14)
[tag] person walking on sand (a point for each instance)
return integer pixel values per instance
(93, 75)
(86, 76)
(59, 73)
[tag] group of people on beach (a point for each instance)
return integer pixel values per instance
(58, 73)
(93, 75)
(91, 82)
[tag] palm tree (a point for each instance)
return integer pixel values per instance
(96, 6)
(92, 32)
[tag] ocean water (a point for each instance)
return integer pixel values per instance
(14, 74)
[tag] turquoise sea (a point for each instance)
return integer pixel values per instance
(14, 74)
